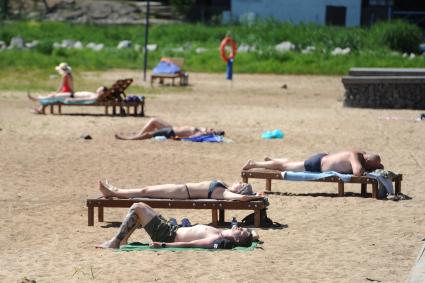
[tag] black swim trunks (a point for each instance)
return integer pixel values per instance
(161, 230)
(214, 185)
(314, 163)
(166, 132)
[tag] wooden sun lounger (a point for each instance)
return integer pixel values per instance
(183, 78)
(113, 97)
(270, 175)
(215, 205)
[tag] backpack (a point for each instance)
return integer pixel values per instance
(264, 220)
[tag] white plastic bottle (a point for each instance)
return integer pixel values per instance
(234, 222)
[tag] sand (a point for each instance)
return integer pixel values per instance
(47, 172)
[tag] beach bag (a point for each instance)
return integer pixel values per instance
(264, 220)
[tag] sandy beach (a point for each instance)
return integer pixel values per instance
(47, 172)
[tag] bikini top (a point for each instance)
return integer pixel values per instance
(214, 185)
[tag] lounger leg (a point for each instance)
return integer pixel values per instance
(269, 185)
(214, 217)
(340, 189)
(221, 216)
(257, 217)
(375, 189)
(135, 110)
(43, 109)
(364, 190)
(114, 111)
(90, 215)
(245, 179)
(60, 109)
(397, 185)
(100, 214)
(52, 110)
(106, 110)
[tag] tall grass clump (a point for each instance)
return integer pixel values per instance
(397, 35)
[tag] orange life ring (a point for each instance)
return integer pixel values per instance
(227, 41)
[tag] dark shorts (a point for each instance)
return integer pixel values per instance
(314, 163)
(160, 230)
(166, 132)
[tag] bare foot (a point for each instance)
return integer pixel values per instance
(250, 164)
(31, 97)
(38, 110)
(111, 244)
(107, 189)
(120, 137)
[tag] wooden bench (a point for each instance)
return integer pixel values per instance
(270, 175)
(385, 88)
(117, 107)
(182, 76)
(217, 207)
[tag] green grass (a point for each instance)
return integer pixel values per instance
(370, 48)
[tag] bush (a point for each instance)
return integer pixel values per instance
(398, 35)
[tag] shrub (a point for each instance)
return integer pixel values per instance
(398, 35)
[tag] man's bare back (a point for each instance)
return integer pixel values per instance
(349, 162)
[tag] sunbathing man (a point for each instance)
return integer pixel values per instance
(78, 96)
(202, 190)
(158, 127)
(166, 234)
(348, 162)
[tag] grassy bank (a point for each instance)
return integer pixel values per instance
(380, 46)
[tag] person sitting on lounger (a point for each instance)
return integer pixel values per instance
(208, 189)
(78, 96)
(348, 162)
(166, 234)
(158, 127)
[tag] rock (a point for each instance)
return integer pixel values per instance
(152, 47)
(16, 42)
(308, 49)
(2, 45)
(124, 44)
(67, 43)
(340, 51)
(284, 46)
(200, 50)
(32, 44)
(86, 136)
(95, 46)
(78, 45)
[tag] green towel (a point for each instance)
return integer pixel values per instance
(137, 246)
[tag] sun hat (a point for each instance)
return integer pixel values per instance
(63, 68)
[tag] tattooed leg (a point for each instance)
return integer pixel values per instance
(130, 223)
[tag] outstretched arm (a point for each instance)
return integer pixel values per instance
(356, 164)
(233, 196)
(207, 243)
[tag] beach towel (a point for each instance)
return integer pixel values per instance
(385, 184)
(137, 246)
(204, 138)
(309, 176)
(166, 67)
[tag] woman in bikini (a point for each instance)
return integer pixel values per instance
(208, 189)
(65, 89)
(158, 127)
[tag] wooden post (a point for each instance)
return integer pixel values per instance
(375, 189)
(221, 216)
(100, 214)
(269, 185)
(257, 217)
(90, 215)
(214, 217)
(340, 189)
(364, 189)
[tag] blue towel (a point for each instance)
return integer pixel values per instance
(385, 183)
(308, 176)
(165, 67)
(51, 100)
(205, 138)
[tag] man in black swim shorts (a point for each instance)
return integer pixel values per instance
(166, 234)
(348, 162)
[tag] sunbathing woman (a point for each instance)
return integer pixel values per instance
(208, 189)
(78, 96)
(158, 127)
